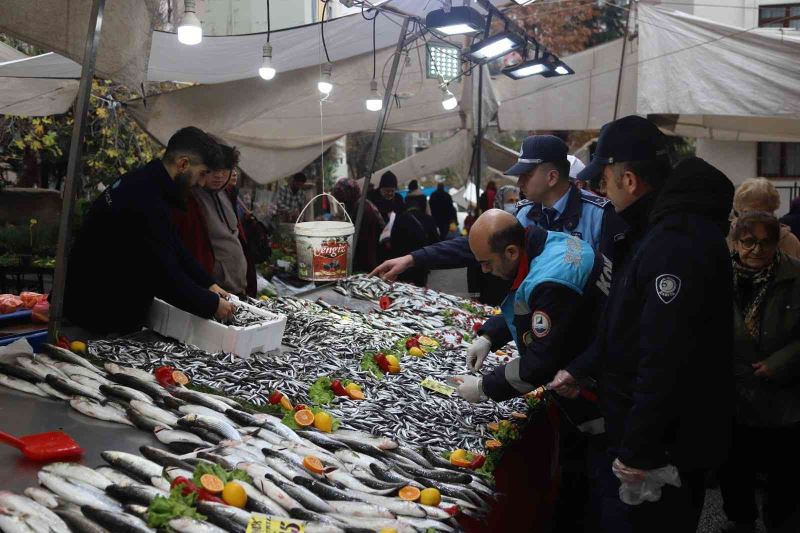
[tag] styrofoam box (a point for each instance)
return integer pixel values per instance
(212, 336)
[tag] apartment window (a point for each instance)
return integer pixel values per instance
(779, 160)
(782, 16)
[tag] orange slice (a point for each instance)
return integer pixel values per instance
(492, 426)
(493, 444)
(180, 378)
(409, 494)
(212, 483)
(355, 394)
(304, 417)
(313, 464)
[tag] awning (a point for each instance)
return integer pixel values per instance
(24, 92)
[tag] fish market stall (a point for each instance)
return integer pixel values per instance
(348, 425)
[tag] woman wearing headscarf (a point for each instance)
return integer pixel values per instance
(365, 256)
(506, 198)
(766, 433)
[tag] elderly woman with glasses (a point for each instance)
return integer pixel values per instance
(759, 194)
(767, 369)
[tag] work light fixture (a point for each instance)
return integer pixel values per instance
(495, 46)
(374, 101)
(267, 71)
(524, 2)
(190, 31)
(324, 84)
(449, 101)
(459, 20)
(558, 68)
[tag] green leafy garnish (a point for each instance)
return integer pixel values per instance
(225, 475)
(470, 308)
(320, 392)
(163, 509)
(533, 403)
(368, 364)
(288, 420)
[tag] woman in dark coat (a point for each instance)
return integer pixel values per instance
(365, 257)
(766, 434)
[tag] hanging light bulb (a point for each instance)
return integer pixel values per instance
(266, 71)
(324, 84)
(190, 31)
(374, 101)
(449, 101)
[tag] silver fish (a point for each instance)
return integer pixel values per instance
(360, 509)
(77, 493)
(93, 409)
(67, 386)
(212, 424)
(79, 523)
(11, 522)
(25, 505)
(205, 411)
(71, 370)
(21, 385)
(137, 466)
(69, 357)
(42, 497)
(156, 413)
(115, 476)
(135, 372)
(125, 393)
(40, 369)
(116, 521)
(77, 472)
(190, 525)
(51, 392)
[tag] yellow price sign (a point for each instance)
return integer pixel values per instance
(267, 524)
(438, 386)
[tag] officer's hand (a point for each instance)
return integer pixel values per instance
(389, 270)
(224, 310)
(565, 385)
(477, 352)
(469, 387)
(762, 369)
(627, 474)
(216, 289)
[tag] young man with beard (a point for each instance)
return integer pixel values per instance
(128, 252)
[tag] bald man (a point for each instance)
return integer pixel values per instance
(553, 275)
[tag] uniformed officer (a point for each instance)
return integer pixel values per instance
(552, 273)
(663, 351)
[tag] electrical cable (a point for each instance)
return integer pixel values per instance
(374, 49)
(269, 24)
(322, 29)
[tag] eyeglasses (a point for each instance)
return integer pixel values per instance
(750, 244)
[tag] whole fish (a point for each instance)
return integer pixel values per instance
(11, 522)
(141, 421)
(323, 441)
(67, 386)
(79, 523)
(156, 413)
(173, 437)
(200, 399)
(350, 436)
(173, 473)
(190, 525)
(307, 499)
(258, 502)
(53, 393)
(40, 369)
(113, 368)
(88, 382)
(71, 370)
(25, 505)
(125, 393)
(163, 458)
(21, 385)
(276, 494)
(154, 390)
(376, 523)
(351, 482)
(136, 510)
(134, 493)
(77, 493)
(69, 357)
(42, 497)
(93, 409)
(227, 517)
(133, 465)
(115, 476)
(77, 472)
(201, 410)
(426, 524)
(19, 372)
(118, 521)
(360, 509)
(211, 424)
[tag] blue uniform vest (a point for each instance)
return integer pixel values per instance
(565, 259)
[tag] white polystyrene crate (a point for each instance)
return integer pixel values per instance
(212, 336)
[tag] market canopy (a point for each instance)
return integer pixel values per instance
(25, 93)
(695, 77)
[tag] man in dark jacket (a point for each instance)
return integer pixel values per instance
(128, 252)
(442, 210)
(413, 229)
(663, 352)
(386, 198)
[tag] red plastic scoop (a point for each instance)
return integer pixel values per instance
(50, 446)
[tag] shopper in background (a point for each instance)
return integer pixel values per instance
(128, 246)
(416, 198)
(759, 194)
(234, 270)
(766, 350)
(506, 198)
(443, 210)
(365, 257)
(292, 198)
(486, 199)
(413, 229)
(663, 351)
(386, 198)
(792, 219)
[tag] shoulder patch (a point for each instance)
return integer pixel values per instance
(523, 203)
(667, 287)
(590, 198)
(540, 324)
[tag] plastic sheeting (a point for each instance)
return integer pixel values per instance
(61, 26)
(28, 94)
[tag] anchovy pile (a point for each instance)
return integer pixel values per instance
(357, 488)
(243, 316)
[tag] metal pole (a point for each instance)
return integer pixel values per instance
(74, 167)
(479, 138)
(622, 58)
(376, 140)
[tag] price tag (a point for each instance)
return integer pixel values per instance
(267, 524)
(437, 386)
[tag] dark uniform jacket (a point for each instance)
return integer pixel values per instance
(128, 251)
(663, 351)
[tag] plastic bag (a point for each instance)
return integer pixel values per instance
(649, 490)
(9, 303)
(29, 299)
(41, 312)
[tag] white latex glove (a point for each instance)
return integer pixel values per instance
(469, 387)
(477, 352)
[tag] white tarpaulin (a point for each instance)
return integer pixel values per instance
(24, 93)
(61, 26)
(452, 152)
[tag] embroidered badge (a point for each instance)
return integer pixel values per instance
(667, 287)
(540, 324)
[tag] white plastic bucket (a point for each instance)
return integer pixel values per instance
(324, 248)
